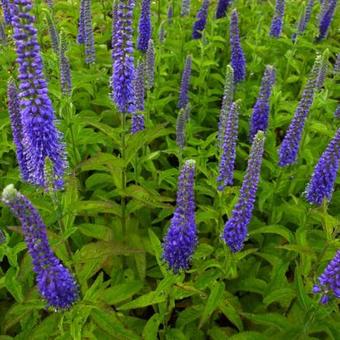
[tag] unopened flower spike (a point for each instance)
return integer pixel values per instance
(55, 282)
(64, 67)
(185, 8)
(53, 32)
(182, 118)
(181, 239)
(150, 65)
(236, 228)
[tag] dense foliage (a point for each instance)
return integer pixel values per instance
(245, 252)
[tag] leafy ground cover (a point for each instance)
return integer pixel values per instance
(108, 224)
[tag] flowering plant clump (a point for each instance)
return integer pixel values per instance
(174, 167)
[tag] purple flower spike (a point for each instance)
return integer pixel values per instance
(6, 9)
(181, 239)
(259, 118)
(291, 142)
(81, 28)
(227, 163)
(327, 13)
(329, 280)
(41, 138)
(16, 124)
(236, 228)
(277, 21)
(183, 94)
(137, 123)
(222, 8)
(228, 95)
(144, 31)
(123, 63)
(139, 85)
(55, 282)
(90, 54)
(321, 185)
(201, 17)
(238, 61)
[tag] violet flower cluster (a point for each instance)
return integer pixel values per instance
(228, 95)
(41, 140)
(137, 123)
(185, 82)
(64, 68)
(6, 8)
(238, 61)
(201, 19)
(139, 86)
(55, 282)
(227, 162)
(144, 28)
(85, 32)
(123, 62)
(260, 115)
(291, 142)
(222, 8)
(327, 13)
(321, 185)
(236, 228)
(17, 128)
(277, 21)
(329, 280)
(181, 239)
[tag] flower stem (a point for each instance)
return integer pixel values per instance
(123, 199)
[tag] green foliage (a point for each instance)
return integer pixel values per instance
(127, 292)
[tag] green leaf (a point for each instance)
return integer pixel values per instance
(148, 299)
(107, 321)
(121, 292)
(231, 314)
(275, 229)
(150, 330)
(215, 296)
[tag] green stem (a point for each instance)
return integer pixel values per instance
(123, 199)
